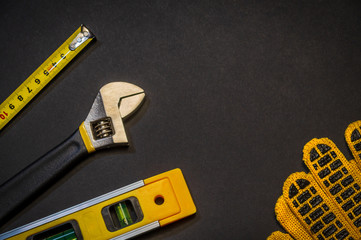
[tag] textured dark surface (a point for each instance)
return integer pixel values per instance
(234, 90)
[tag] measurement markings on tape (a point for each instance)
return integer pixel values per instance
(44, 74)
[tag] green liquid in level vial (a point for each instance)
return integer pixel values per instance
(66, 235)
(123, 214)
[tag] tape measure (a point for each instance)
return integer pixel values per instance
(121, 214)
(44, 74)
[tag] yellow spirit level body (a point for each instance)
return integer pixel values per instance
(121, 214)
(44, 74)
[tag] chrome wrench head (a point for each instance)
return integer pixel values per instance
(115, 102)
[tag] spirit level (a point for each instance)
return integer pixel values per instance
(118, 215)
(44, 74)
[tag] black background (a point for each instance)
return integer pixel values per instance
(234, 90)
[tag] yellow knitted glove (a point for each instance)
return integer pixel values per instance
(278, 235)
(325, 203)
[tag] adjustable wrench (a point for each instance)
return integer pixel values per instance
(102, 128)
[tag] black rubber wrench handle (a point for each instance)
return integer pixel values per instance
(33, 180)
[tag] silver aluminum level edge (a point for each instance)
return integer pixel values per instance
(71, 210)
(138, 231)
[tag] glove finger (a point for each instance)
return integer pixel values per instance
(279, 236)
(353, 139)
(318, 215)
(339, 179)
(289, 221)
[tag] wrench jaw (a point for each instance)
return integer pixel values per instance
(104, 126)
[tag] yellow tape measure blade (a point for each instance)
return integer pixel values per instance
(44, 74)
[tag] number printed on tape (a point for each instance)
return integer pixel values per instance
(44, 74)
